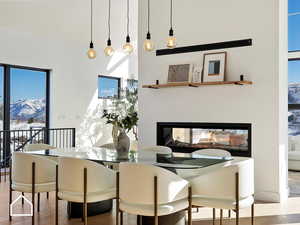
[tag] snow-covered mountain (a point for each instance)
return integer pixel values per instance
(28, 108)
(294, 93)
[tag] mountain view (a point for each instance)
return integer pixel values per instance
(26, 113)
(294, 115)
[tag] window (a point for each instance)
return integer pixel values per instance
(24, 97)
(294, 21)
(132, 85)
(108, 87)
(294, 67)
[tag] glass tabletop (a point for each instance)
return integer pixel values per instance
(104, 155)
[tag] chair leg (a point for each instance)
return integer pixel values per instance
(33, 193)
(117, 197)
(85, 213)
(214, 216)
(84, 196)
(47, 195)
(221, 216)
(10, 201)
(141, 220)
(190, 207)
(121, 217)
(229, 213)
(56, 197)
(252, 214)
(10, 190)
(237, 217)
(38, 202)
(22, 199)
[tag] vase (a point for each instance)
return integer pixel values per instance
(121, 142)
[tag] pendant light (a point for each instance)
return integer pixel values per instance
(91, 53)
(109, 51)
(171, 42)
(148, 43)
(128, 48)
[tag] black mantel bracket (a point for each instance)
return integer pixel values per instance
(205, 47)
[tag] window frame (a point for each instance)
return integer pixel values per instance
(113, 78)
(7, 92)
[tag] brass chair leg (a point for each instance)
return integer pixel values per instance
(252, 214)
(237, 217)
(117, 198)
(121, 217)
(141, 220)
(214, 216)
(155, 201)
(190, 207)
(56, 197)
(84, 195)
(22, 199)
(33, 193)
(10, 201)
(38, 202)
(10, 190)
(221, 216)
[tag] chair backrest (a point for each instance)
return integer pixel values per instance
(22, 169)
(137, 184)
(158, 149)
(221, 182)
(212, 152)
(37, 147)
(71, 175)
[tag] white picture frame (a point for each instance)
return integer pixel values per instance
(214, 67)
(180, 73)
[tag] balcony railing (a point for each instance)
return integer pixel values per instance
(16, 140)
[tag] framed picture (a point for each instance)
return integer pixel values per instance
(180, 73)
(214, 67)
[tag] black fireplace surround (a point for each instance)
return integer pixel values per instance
(189, 137)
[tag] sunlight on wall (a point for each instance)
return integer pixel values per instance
(93, 130)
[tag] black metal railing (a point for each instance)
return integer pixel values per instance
(16, 140)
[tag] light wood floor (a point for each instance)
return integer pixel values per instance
(266, 213)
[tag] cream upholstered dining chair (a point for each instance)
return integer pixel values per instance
(158, 149)
(38, 147)
(218, 153)
(83, 181)
(147, 190)
(228, 187)
(31, 174)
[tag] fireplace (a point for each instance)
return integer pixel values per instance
(189, 137)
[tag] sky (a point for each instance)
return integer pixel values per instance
(25, 84)
(294, 39)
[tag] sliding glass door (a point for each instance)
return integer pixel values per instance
(24, 107)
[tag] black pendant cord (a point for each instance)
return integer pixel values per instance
(128, 37)
(171, 15)
(91, 21)
(148, 17)
(109, 9)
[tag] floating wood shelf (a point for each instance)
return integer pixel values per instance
(192, 84)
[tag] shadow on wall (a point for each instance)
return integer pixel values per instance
(93, 131)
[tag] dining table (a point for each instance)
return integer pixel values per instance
(184, 164)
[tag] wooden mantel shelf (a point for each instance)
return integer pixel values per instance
(192, 84)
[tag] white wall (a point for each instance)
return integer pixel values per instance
(55, 35)
(263, 104)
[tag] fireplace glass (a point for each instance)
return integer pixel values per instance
(184, 137)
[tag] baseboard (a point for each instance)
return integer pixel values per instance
(269, 196)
